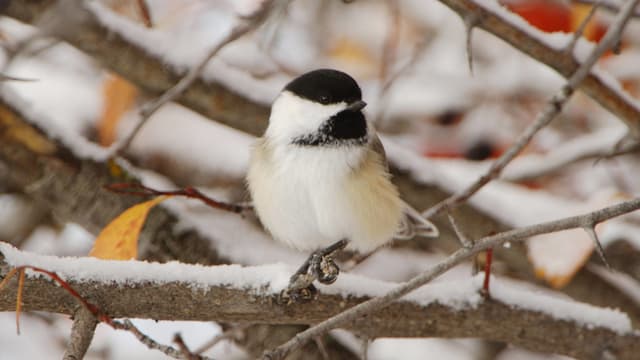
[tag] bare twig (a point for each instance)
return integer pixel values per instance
(594, 146)
(552, 108)
(127, 325)
(84, 325)
(233, 333)
(390, 45)
(184, 349)
(580, 30)
(470, 23)
(609, 5)
(461, 236)
(138, 189)
(375, 304)
(591, 231)
(243, 26)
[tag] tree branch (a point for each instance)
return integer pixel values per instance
(148, 296)
(72, 189)
(565, 64)
(222, 104)
(84, 325)
(552, 108)
(376, 304)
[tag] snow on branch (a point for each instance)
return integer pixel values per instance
(147, 71)
(175, 291)
(542, 47)
(134, 62)
(377, 304)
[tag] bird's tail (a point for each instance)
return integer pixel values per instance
(413, 224)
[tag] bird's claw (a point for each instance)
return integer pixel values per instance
(319, 266)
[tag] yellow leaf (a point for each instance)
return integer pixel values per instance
(119, 239)
(12, 128)
(119, 96)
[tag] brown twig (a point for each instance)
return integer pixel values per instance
(138, 189)
(82, 331)
(233, 333)
(184, 349)
(580, 30)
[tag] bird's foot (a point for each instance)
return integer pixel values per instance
(319, 266)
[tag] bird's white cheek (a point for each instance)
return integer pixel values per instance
(292, 117)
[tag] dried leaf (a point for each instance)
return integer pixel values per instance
(119, 239)
(119, 96)
(14, 129)
(557, 257)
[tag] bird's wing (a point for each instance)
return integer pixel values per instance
(413, 224)
(376, 146)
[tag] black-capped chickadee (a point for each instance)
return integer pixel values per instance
(319, 174)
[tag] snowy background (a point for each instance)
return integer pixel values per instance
(438, 120)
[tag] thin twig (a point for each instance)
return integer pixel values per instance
(127, 325)
(470, 23)
(562, 157)
(591, 231)
(580, 30)
(375, 304)
(390, 45)
(82, 331)
(190, 192)
(243, 26)
(231, 334)
(461, 236)
(609, 5)
(184, 349)
(550, 111)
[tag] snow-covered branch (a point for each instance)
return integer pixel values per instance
(522, 36)
(175, 291)
(218, 102)
(135, 63)
(377, 304)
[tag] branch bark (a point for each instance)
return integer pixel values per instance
(84, 326)
(489, 319)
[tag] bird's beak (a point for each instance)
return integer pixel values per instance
(356, 105)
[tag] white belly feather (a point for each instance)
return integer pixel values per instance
(312, 198)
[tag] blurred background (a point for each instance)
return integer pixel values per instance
(443, 120)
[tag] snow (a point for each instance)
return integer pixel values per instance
(66, 99)
(50, 334)
(183, 45)
(271, 279)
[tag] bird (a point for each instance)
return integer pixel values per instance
(319, 179)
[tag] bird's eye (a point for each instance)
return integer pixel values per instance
(324, 98)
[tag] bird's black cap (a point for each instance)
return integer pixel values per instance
(326, 86)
